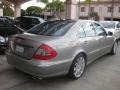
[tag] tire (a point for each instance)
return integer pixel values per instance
(114, 48)
(78, 67)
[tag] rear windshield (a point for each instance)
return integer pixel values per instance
(52, 28)
(108, 24)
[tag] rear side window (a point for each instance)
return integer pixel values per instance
(81, 32)
(52, 28)
(89, 30)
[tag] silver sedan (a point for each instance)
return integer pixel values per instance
(62, 47)
(112, 26)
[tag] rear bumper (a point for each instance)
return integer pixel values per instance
(38, 68)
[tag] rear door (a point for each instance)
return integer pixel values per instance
(90, 42)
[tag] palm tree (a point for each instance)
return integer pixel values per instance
(56, 7)
(46, 2)
(89, 4)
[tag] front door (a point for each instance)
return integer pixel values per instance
(104, 40)
(90, 42)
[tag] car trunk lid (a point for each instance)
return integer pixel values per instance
(25, 45)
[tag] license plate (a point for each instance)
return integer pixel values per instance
(19, 49)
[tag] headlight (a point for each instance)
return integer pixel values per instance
(2, 39)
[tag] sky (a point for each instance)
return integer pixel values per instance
(34, 3)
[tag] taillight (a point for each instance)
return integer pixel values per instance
(45, 52)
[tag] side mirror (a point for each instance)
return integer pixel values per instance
(110, 33)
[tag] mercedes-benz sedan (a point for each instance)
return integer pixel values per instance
(60, 47)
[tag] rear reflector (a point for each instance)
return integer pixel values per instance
(45, 52)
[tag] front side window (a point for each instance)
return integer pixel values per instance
(99, 30)
(89, 30)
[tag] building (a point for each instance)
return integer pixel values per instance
(103, 9)
(16, 5)
(1, 10)
(72, 10)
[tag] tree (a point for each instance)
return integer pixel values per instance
(23, 12)
(89, 4)
(33, 10)
(56, 6)
(8, 11)
(93, 15)
(44, 1)
(7, 8)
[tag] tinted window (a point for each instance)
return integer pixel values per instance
(89, 30)
(34, 21)
(99, 30)
(26, 22)
(29, 20)
(52, 28)
(108, 24)
(4, 22)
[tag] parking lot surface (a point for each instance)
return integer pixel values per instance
(103, 74)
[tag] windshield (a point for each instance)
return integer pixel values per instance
(108, 24)
(52, 28)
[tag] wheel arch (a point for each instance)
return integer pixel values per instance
(80, 52)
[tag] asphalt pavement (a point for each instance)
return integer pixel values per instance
(102, 74)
